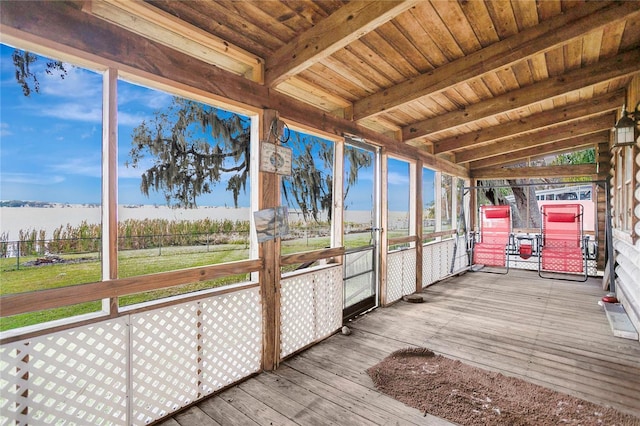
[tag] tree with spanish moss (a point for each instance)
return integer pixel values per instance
(23, 62)
(310, 185)
(191, 146)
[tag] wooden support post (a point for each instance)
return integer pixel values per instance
(269, 251)
(438, 202)
(337, 224)
(419, 223)
(109, 249)
(603, 160)
(384, 219)
(473, 204)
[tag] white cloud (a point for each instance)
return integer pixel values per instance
(365, 175)
(131, 173)
(133, 120)
(394, 178)
(79, 166)
(88, 134)
(32, 179)
(150, 98)
(74, 111)
(4, 130)
(76, 81)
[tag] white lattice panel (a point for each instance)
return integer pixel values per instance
(310, 308)
(517, 262)
(428, 276)
(297, 316)
(232, 338)
(164, 360)
(135, 369)
(531, 264)
(461, 257)
(401, 274)
(328, 301)
(447, 247)
(436, 260)
(441, 267)
(409, 272)
(394, 276)
(72, 377)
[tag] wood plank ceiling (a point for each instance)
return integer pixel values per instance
(479, 83)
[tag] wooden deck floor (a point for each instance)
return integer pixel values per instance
(548, 332)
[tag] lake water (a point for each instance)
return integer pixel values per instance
(13, 219)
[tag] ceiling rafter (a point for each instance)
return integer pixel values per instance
(623, 65)
(348, 24)
(549, 135)
(558, 147)
(537, 172)
(576, 111)
(526, 44)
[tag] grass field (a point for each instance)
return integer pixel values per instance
(132, 263)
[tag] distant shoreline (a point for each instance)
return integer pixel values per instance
(54, 215)
(14, 219)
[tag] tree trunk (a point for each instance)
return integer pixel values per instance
(526, 213)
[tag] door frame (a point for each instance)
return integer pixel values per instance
(373, 301)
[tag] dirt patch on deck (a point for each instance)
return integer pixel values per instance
(467, 395)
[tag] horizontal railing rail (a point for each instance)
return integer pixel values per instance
(311, 256)
(446, 233)
(402, 240)
(14, 304)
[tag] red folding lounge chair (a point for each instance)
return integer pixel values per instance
(562, 245)
(495, 237)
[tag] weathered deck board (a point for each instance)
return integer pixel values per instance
(552, 333)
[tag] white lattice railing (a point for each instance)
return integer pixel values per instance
(437, 258)
(461, 255)
(401, 274)
(310, 307)
(134, 369)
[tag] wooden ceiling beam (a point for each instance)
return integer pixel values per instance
(565, 171)
(622, 65)
(577, 111)
(530, 42)
(155, 24)
(552, 134)
(559, 147)
(347, 24)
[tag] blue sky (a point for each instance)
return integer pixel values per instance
(50, 142)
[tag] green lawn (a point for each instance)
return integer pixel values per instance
(132, 263)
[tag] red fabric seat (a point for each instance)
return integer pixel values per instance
(562, 249)
(495, 232)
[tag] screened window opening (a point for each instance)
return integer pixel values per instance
(183, 187)
(50, 179)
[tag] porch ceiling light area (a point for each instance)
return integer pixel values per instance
(626, 129)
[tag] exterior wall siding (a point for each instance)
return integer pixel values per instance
(628, 278)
